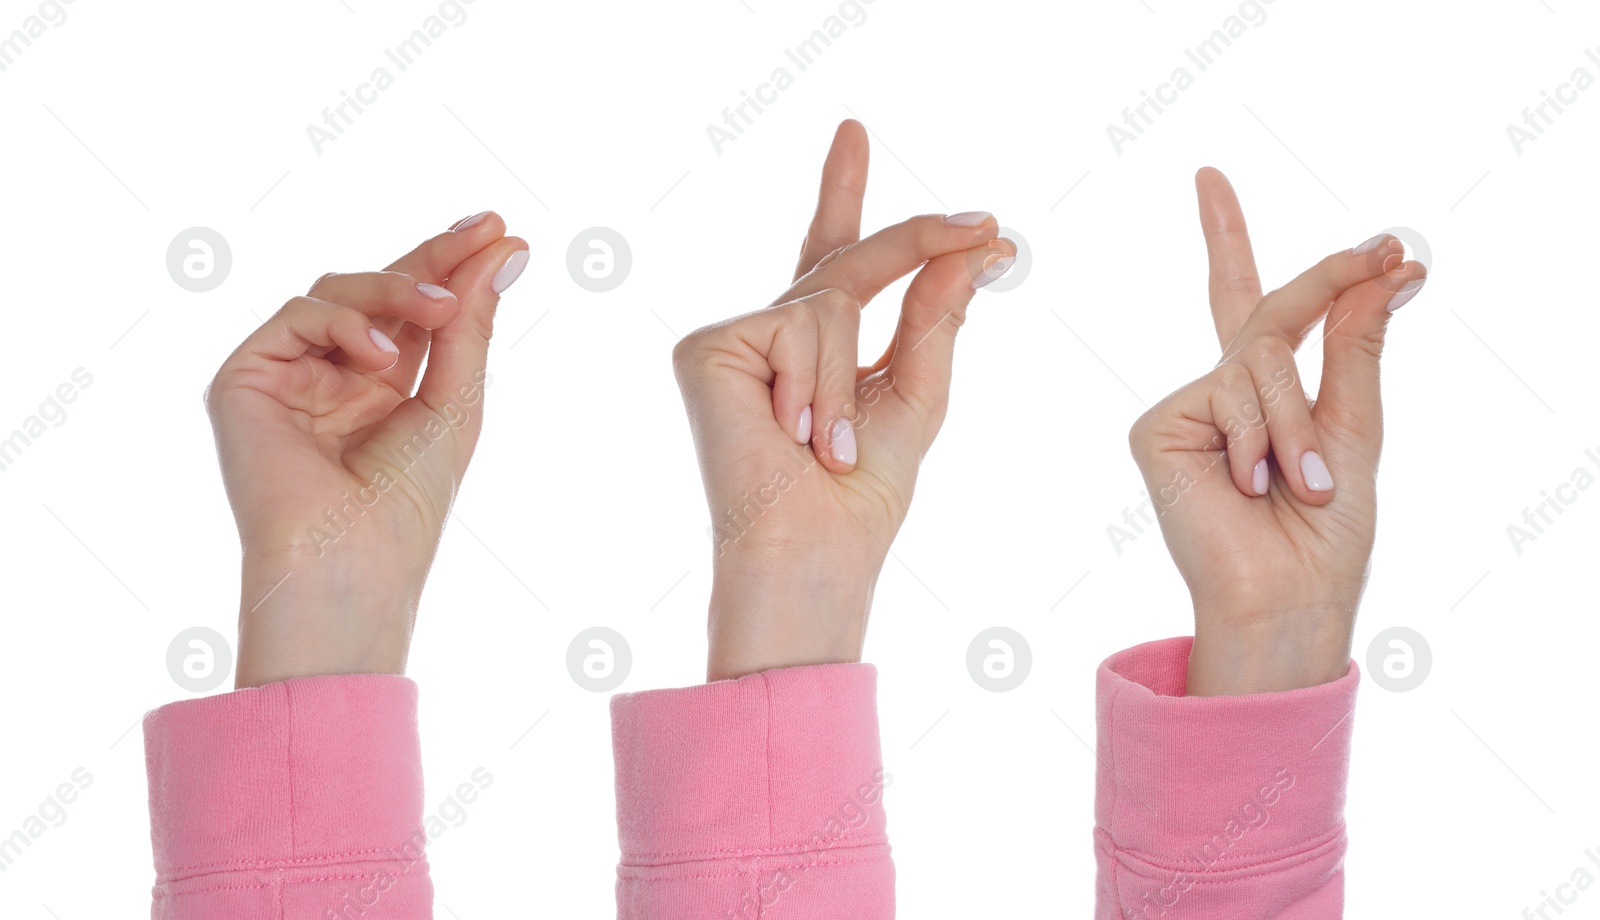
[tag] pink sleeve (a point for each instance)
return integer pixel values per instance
(296, 799)
(1218, 807)
(755, 797)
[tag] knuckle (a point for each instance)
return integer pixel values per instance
(797, 315)
(691, 350)
(1235, 400)
(836, 305)
(209, 397)
(829, 248)
(482, 322)
(684, 352)
(1333, 266)
(1233, 377)
(832, 256)
(1268, 355)
(1240, 283)
(1369, 342)
(804, 322)
(1269, 348)
(1141, 432)
(935, 314)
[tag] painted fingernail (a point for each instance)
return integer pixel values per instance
(1318, 479)
(802, 429)
(469, 221)
(1259, 479)
(1369, 245)
(843, 437)
(967, 218)
(435, 291)
(383, 342)
(508, 272)
(993, 268)
(1405, 294)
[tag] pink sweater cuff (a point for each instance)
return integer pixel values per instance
(297, 799)
(1213, 807)
(736, 796)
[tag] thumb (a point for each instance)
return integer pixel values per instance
(458, 357)
(935, 305)
(1349, 401)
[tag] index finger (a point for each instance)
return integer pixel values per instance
(837, 221)
(1289, 312)
(864, 269)
(437, 258)
(1235, 284)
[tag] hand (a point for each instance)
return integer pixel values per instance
(1266, 501)
(809, 460)
(340, 479)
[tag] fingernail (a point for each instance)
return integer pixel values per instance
(992, 270)
(843, 437)
(1405, 294)
(508, 272)
(802, 429)
(470, 221)
(382, 341)
(1318, 479)
(1369, 245)
(435, 291)
(1259, 480)
(967, 218)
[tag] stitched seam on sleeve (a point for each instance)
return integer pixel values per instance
(1111, 765)
(766, 686)
(1282, 860)
(288, 753)
(1264, 859)
(754, 873)
(178, 873)
(1111, 758)
(275, 883)
(796, 849)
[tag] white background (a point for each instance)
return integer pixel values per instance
(129, 123)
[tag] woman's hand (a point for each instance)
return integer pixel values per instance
(1266, 501)
(809, 460)
(340, 479)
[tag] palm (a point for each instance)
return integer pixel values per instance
(300, 439)
(770, 493)
(1227, 545)
(316, 445)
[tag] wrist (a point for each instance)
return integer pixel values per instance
(1288, 650)
(786, 613)
(305, 616)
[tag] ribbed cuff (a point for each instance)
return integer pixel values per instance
(735, 795)
(289, 800)
(1218, 802)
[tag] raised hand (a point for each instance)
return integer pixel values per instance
(808, 459)
(339, 476)
(1267, 502)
